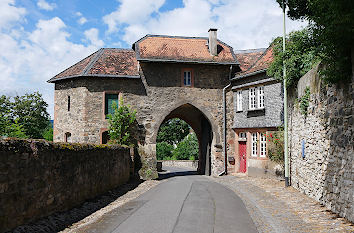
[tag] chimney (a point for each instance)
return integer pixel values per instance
(213, 42)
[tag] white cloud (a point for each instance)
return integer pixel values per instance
(9, 13)
(131, 11)
(92, 36)
(29, 58)
(42, 4)
(82, 20)
(243, 24)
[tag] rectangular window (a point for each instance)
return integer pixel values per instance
(252, 98)
(187, 78)
(261, 97)
(263, 145)
(239, 101)
(110, 99)
(68, 103)
(242, 136)
(254, 145)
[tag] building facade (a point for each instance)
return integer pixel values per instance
(164, 77)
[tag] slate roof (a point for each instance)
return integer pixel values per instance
(253, 63)
(106, 62)
(182, 49)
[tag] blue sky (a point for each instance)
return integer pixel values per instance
(40, 38)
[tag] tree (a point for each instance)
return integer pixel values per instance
(332, 27)
(163, 151)
(173, 131)
(121, 124)
(5, 111)
(30, 111)
(188, 148)
(301, 55)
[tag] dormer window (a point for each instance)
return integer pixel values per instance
(187, 78)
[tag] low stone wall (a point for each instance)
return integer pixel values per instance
(38, 178)
(321, 144)
(180, 163)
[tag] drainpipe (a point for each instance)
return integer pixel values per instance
(224, 124)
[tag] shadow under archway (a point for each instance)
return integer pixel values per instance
(202, 128)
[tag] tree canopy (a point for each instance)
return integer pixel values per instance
(332, 27)
(173, 131)
(300, 56)
(23, 116)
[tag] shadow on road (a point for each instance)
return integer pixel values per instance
(59, 221)
(169, 172)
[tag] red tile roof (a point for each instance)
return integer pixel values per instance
(260, 62)
(104, 62)
(246, 58)
(181, 49)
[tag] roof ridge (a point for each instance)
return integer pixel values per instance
(73, 65)
(242, 51)
(124, 49)
(92, 62)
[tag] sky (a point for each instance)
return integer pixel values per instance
(41, 38)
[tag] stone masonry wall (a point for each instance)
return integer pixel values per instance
(38, 178)
(154, 96)
(326, 172)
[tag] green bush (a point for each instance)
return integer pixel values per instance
(276, 146)
(48, 134)
(187, 149)
(164, 151)
(121, 124)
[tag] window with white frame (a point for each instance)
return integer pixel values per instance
(187, 78)
(252, 98)
(254, 145)
(239, 101)
(263, 145)
(261, 97)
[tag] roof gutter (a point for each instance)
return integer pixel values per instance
(224, 124)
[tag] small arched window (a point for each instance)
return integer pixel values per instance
(67, 137)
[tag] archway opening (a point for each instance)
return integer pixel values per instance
(196, 136)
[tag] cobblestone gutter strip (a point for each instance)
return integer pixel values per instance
(275, 208)
(90, 211)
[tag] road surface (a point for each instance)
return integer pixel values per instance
(184, 203)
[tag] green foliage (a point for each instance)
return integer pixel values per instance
(276, 146)
(304, 101)
(121, 124)
(300, 56)
(31, 112)
(332, 27)
(15, 130)
(48, 134)
(24, 117)
(188, 148)
(164, 151)
(173, 131)
(5, 110)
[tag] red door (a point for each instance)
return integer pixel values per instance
(243, 156)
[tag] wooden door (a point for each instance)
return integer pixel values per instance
(243, 156)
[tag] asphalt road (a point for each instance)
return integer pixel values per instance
(185, 203)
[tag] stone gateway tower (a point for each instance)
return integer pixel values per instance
(162, 77)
